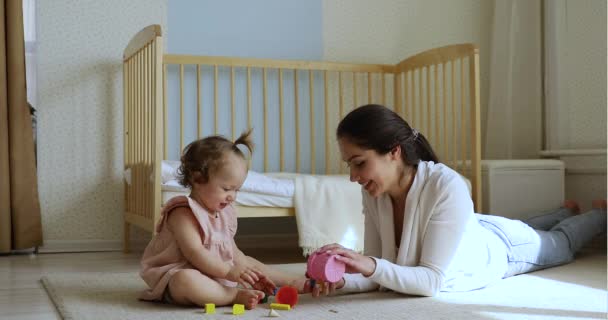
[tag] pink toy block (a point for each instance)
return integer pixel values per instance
(324, 267)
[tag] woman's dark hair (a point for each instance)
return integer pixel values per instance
(203, 157)
(378, 128)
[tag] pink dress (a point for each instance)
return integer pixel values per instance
(163, 258)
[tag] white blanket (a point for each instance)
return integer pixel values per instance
(328, 210)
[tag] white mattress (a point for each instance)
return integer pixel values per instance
(243, 198)
(258, 183)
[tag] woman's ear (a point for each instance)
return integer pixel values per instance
(396, 152)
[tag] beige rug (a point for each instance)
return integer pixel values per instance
(575, 291)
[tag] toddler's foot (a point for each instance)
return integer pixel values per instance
(573, 206)
(249, 298)
(599, 204)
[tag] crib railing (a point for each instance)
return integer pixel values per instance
(143, 127)
(293, 106)
(438, 92)
(305, 83)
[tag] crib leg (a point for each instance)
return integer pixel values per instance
(126, 238)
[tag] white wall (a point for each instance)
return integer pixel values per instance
(586, 73)
(387, 31)
(80, 115)
(583, 123)
(80, 90)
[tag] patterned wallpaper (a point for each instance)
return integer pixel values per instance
(80, 112)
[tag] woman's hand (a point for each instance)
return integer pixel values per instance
(304, 286)
(355, 262)
(244, 274)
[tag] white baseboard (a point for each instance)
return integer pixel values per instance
(270, 241)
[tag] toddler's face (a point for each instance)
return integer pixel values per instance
(223, 185)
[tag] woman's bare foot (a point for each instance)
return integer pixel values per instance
(573, 206)
(249, 298)
(599, 204)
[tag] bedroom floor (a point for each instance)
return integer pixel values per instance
(23, 297)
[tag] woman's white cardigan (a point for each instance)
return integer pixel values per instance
(438, 215)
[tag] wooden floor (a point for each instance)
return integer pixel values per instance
(23, 297)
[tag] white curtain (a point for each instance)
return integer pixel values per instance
(514, 117)
(29, 32)
(556, 89)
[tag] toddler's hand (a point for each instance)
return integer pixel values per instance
(244, 275)
(265, 285)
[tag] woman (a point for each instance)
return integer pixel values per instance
(421, 233)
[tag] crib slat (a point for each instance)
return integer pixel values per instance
(420, 99)
(297, 118)
(369, 87)
(147, 130)
(312, 120)
(454, 135)
(134, 145)
(139, 134)
(341, 104)
(249, 124)
(215, 99)
(181, 108)
(412, 100)
(445, 111)
(165, 119)
(436, 105)
(463, 116)
(282, 133)
(475, 131)
(232, 106)
(355, 95)
(265, 81)
(127, 134)
(199, 128)
(326, 103)
(383, 88)
(406, 96)
(249, 97)
(158, 128)
(428, 129)
(125, 94)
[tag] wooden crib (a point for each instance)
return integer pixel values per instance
(436, 91)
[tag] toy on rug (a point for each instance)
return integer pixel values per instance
(287, 295)
(238, 309)
(209, 308)
(280, 306)
(273, 313)
(323, 267)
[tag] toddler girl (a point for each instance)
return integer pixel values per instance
(193, 259)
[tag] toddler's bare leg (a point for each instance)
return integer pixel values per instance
(190, 287)
(277, 276)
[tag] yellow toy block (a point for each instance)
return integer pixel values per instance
(280, 306)
(238, 309)
(209, 308)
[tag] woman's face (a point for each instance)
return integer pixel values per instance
(375, 172)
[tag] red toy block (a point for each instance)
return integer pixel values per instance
(287, 295)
